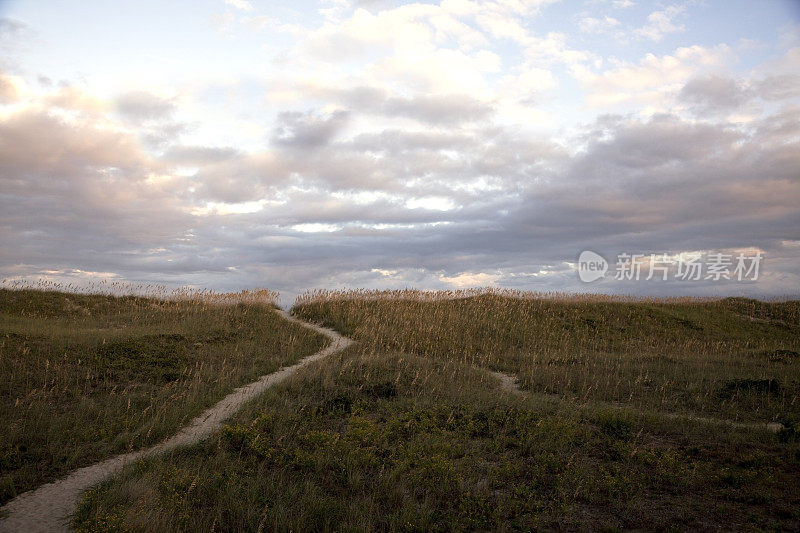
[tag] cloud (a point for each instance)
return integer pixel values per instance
(40, 150)
(395, 146)
(502, 25)
(714, 94)
(198, 155)
(419, 47)
(11, 88)
(139, 106)
(306, 131)
(445, 109)
(96, 196)
(779, 127)
(10, 27)
(541, 205)
(553, 49)
(242, 5)
(718, 94)
(76, 99)
(15, 36)
(654, 79)
(661, 23)
(778, 87)
(364, 33)
(243, 178)
(470, 279)
(597, 25)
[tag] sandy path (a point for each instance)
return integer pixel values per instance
(508, 382)
(48, 507)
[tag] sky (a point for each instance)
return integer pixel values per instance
(232, 144)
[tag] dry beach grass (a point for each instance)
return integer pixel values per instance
(734, 357)
(619, 423)
(87, 376)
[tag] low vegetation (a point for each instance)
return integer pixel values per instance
(408, 430)
(735, 358)
(87, 376)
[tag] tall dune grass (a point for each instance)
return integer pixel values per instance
(87, 375)
(734, 357)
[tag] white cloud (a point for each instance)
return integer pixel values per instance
(431, 203)
(315, 228)
(222, 208)
(597, 25)
(502, 26)
(654, 80)
(448, 27)
(364, 33)
(553, 49)
(438, 71)
(12, 88)
(471, 279)
(661, 23)
(525, 86)
(243, 5)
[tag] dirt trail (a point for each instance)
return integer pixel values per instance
(48, 507)
(508, 382)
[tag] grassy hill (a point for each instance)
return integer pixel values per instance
(89, 376)
(735, 358)
(619, 423)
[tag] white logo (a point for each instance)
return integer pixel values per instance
(591, 266)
